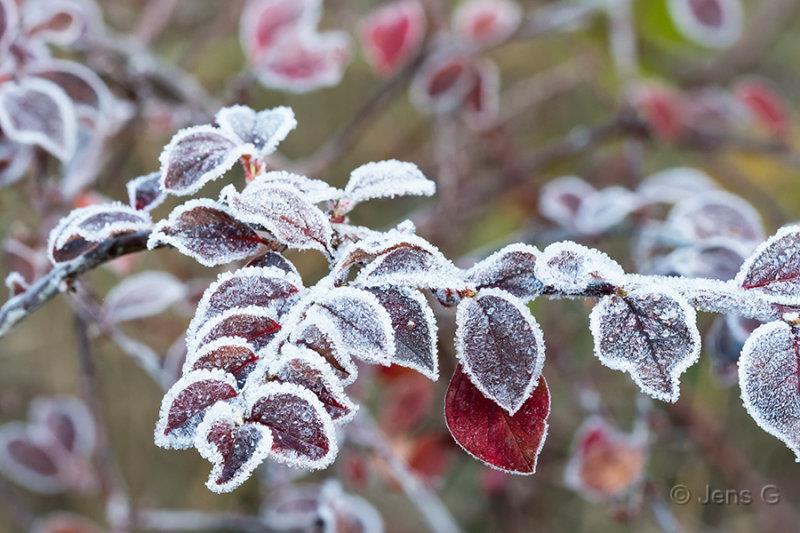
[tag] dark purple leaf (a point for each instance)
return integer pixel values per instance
(773, 270)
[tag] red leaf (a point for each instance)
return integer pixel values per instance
(392, 34)
(263, 21)
(443, 82)
(483, 101)
(204, 230)
(26, 458)
(82, 85)
(68, 422)
(485, 431)
(768, 107)
(253, 324)
(327, 342)
(145, 192)
(302, 430)
(662, 109)
(510, 269)
(233, 355)
(274, 259)
(774, 268)
(486, 22)
(185, 404)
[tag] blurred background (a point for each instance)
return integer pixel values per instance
(574, 99)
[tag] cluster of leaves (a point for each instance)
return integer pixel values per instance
(268, 359)
(51, 452)
(57, 105)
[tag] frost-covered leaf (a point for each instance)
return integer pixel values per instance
(716, 259)
(304, 367)
(769, 378)
(254, 324)
(500, 346)
(391, 34)
(606, 464)
(717, 214)
(651, 334)
(486, 23)
(15, 160)
(85, 88)
(485, 431)
(482, 104)
(362, 322)
(145, 192)
(141, 295)
(37, 111)
(443, 82)
(414, 329)
(561, 198)
(67, 421)
(196, 156)
(16, 284)
(266, 287)
(233, 355)
(675, 184)
(207, 232)
(186, 402)
(604, 209)
(713, 23)
(511, 269)
(276, 260)
(325, 339)
(263, 22)
(284, 212)
(54, 21)
(387, 179)
(774, 268)
(315, 191)
(265, 129)
(303, 61)
(767, 108)
(302, 431)
(26, 459)
(234, 449)
(571, 268)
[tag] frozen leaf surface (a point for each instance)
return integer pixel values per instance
(37, 111)
(233, 355)
(254, 324)
(145, 192)
(324, 338)
(488, 433)
(571, 268)
(196, 156)
(315, 191)
(302, 431)
(276, 260)
(284, 212)
(769, 378)
(414, 329)
(651, 334)
(500, 346)
(265, 130)
(774, 268)
(207, 232)
(234, 449)
(391, 35)
(511, 269)
(141, 295)
(186, 402)
(387, 179)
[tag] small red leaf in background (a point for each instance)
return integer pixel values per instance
(409, 397)
(263, 21)
(768, 108)
(430, 455)
(662, 109)
(606, 463)
(392, 34)
(26, 458)
(205, 231)
(487, 432)
(486, 22)
(483, 101)
(443, 82)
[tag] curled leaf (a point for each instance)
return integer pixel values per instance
(145, 192)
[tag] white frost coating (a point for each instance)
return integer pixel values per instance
(216, 344)
(85, 434)
(152, 180)
(327, 428)
(196, 339)
(38, 15)
(769, 379)
(37, 111)
(651, 334)
(15, 281)
(284, 212)
(675, 184)
(328, 328)
(245, 290)
(469, 21)
(490, 371)
(560, 199)
(225, 150)
(21, 473)
(716, 214)
(363, 323)
(387, 179)
(511, 268)
(315, 191)
(223, 413)
(711, 33)
(303, 14)
(570, 268)
(718, 258)
(144, 294)
(60, 233)
(604, 209)
(158, 236)
(773, 269)
(328, 378)
(179, 439)
(406, 260)
(96, 223)
(265, 129)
